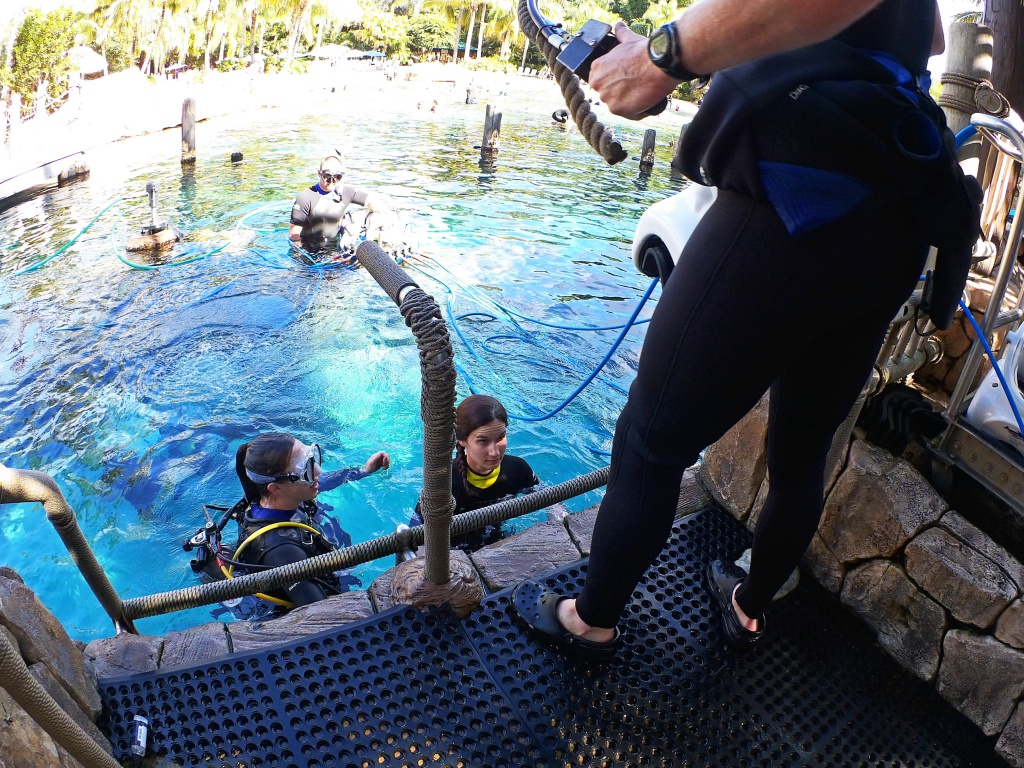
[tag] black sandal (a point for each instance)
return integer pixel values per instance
(537, 608)
(723, 578)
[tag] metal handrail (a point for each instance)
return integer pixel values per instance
(990, 127)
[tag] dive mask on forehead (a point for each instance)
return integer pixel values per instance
(304, 470)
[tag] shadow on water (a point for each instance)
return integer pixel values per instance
(134, 387)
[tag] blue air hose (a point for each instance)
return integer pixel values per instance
(995, 366)
(962, 137)
(513, 313)
(590, 376)
(180, 262)
(607, 357)
(280, 205)
(69, 243)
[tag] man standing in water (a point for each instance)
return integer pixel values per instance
(802, 227)
(318, 210)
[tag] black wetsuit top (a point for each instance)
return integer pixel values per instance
(514, 476)
(283, 546)
(320, 214)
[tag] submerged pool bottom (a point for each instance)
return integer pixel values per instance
(403, 688)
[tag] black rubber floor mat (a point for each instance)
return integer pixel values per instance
(405, 688)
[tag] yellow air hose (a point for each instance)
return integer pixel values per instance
(229, 572)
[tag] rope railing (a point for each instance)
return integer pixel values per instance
(364, 552)
(41, 707)
(597, 135)
(986, 99)
(437, 401)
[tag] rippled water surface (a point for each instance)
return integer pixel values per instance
(133, 387)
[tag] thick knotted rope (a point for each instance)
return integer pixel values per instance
(597, 135)
(986, 98)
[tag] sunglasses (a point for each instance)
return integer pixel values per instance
(331, 178)
(304, 471)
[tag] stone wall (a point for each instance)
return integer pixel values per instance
(943, 599)
(58, 665)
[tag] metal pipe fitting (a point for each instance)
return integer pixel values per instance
(22, 485)
(403, 533)
(1009, 141)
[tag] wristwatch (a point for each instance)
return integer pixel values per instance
(663, 48)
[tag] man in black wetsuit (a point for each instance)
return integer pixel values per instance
(835, 172)
(318, 210)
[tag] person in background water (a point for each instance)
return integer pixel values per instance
(482, 472)
(317, 212)
(800, 227)
(281, 478)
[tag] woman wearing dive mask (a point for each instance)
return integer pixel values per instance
(281, 477)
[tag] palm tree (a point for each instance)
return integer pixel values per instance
(504, 25)
(480, 33)
(474, 5)
(663, 11)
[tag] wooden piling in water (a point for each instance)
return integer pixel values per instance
(188, 132)
(492, 132)
(647, 151)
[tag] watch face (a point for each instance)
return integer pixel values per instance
(659, 45)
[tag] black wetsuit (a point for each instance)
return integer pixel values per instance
(514, 476)
(291, 544)
(320, 214)
(752, 306)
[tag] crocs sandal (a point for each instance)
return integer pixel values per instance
(537, 608)
(722, 579)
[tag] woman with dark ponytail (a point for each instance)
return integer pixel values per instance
(482, 472)
(282, 522)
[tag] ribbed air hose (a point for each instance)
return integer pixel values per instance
(597, 135)
(321, 565)
(40, 706)
(22, 485)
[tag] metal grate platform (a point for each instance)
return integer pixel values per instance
(404, 688)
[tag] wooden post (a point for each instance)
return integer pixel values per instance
(647, 152)
(492, 131)
(969, 55)
(188, 132)
(677, 155)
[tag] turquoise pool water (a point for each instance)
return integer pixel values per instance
(132, 388)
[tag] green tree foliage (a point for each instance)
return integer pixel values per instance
(630, 11)
(40, 55)
(430, 30)
(384, 30)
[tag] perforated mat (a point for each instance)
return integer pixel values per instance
(409, 689)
